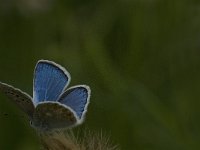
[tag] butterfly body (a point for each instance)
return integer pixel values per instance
(53, 106)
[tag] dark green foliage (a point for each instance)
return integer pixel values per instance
(140, 57)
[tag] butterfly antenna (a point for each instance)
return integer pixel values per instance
(6, 115)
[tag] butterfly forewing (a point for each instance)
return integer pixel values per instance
(50, 79)
(77, 98)
(22, 99)
(53, 115)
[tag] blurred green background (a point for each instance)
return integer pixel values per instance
(140, 58)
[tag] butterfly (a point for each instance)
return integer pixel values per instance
(53, 106)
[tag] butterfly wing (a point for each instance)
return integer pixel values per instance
(50, 79)
(22, 99)
(77, 98)
(53, 115)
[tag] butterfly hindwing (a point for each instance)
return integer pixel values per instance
(22, 99)
(77, 98)
(50, 79)
(53, 115)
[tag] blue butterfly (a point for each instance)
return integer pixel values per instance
(52, 106)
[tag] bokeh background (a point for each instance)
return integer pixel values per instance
(141, 59)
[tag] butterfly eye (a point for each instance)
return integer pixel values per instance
(31, 123)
